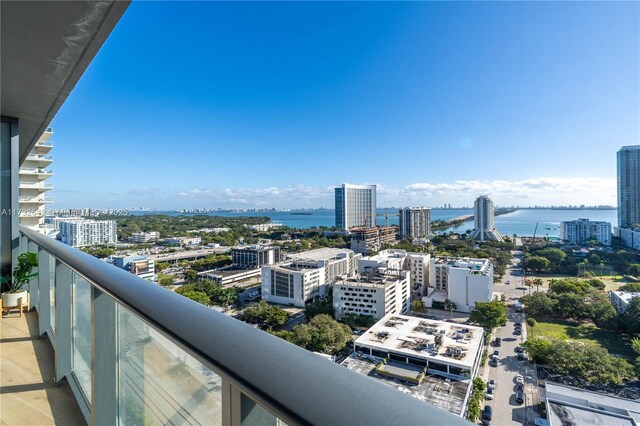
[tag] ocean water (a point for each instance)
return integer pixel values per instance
(520, 222)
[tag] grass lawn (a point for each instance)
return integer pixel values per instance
(615, 343)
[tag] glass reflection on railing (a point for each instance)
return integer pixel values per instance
(159, 383)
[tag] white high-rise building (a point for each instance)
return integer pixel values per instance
(33, 174)
(415, 222)
(484, 230)
(80, 233)
(629, 186)
(355, 206)
(582, 230)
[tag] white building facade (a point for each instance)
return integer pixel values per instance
(32, 188)
(484, 212)
(415, 222)
(81, 233)
(374, 294)
(620, 299)
(630, 236)
(144, 237)
(355, 206)
(582, 230)
(305, 276)
(464, 281)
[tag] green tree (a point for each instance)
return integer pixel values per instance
(538, 305)
(489, 314)
(594, 259)
(634, 269)
(322, 334)
(631, 316)
(418, 306)
(633, 287)
(355, 320)
(165, 280)
(322, 306)
(198, 296)
(554, 255)
(190, 275)
(536, 263)
(531, 322)
(596, 283)
(264, 314)
(450, 306)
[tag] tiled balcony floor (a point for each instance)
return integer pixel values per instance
(28, 395)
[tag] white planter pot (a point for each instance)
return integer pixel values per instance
(12, 299)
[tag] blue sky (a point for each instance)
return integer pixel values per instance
(210, 104)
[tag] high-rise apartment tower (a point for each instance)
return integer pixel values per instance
(628, 186)
(355, 206)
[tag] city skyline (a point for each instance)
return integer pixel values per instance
(470, 98)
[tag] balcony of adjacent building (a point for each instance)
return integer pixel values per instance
(34, 200)
(38, 186)
(39, 172)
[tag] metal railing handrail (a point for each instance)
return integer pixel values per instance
(295, 385)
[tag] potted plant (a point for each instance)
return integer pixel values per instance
(15, 282)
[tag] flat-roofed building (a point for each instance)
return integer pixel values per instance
(416, 263)
(372, 293)
(229, 275)
(582, 230)
(83, 232)
(355, 206)
(630, 236)
(366, 240)
(255, 256)
(620, 299)
(144, 237)
(415, 222)
(307, 275)
(464, 281)
(139, 265)
(441, 347)
(572, 406)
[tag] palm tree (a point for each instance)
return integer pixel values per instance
(538, 282)
(450, 306)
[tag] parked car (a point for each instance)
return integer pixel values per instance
(496, 354)
(489, 393)
(520, 379)
(520, 356)
(486, 414)
(518, 324)
(493, 362)
(519, 396)
(518, 349)
(497, 342)
(517, 331)
(491, 384)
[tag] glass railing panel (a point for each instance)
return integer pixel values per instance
(52, 293)
(253, 414)
(158, 382)
(81, 333)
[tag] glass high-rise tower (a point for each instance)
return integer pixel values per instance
(355, 206)
(628, 186)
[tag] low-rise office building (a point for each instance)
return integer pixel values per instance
(567, 405)
(264, 227)
(186, 241)
(230, 275)
(144, 237)
(464, 281)
(255, 256)
(366, 240)
(373, 293)
(620, 299)
(442, 347)
(307, 275)
(582, 230)
(138, 265)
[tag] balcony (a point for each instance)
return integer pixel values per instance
(39, 186)
(136, 353)
(36, 171)
(40, 158)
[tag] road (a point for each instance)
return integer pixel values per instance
(505, 409)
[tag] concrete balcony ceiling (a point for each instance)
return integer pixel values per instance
(46, 47)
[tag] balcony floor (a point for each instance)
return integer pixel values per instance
(28, 395)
